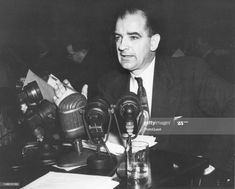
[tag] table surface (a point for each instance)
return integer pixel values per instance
(168, 169)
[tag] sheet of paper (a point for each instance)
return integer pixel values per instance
(72, 181)
(68, 168)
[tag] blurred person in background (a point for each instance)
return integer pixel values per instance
(86, 61)
(217, 54)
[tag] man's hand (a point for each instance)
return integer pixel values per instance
(64, 89)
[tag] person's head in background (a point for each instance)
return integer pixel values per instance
(77, 55)
(206, 40)
(78, 46)
(211, 42)
(202, 46)
(136, 37)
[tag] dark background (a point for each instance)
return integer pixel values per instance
(24, 24)
(27, 25)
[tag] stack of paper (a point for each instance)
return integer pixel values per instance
(72, 181)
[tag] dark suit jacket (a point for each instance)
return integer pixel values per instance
(182, 87)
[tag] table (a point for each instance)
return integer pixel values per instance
(168, 168)
(175, 170)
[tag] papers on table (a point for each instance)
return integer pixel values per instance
(115, 149)
(118, 149)
(72, 181)
(145, 138)
(68, 168)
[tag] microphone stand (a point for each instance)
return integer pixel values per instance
(77, 157)
(100, 161)
(128, 144)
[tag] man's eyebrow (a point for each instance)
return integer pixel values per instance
(129, 33)
(116, 33)
(134, 33)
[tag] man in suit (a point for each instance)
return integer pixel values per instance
(175, 87)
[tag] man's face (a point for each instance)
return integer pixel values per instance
(135, 48)
(76, 56)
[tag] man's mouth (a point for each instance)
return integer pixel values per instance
(126, 56)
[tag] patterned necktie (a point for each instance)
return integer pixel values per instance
(141, 93)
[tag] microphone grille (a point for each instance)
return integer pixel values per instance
(129, 100)
(72, 101)
(71, 110)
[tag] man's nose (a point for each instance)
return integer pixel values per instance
(124, 44)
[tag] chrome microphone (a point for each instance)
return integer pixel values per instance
(71, 111)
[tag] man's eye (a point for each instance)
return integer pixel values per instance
(134, 37)
(117, 38)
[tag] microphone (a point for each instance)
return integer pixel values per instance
(71, 110)
(41, 120)
(97, 119)
(129, 108)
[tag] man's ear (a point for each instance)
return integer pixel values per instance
(155, 39)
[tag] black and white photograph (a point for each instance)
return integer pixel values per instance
(117, 94)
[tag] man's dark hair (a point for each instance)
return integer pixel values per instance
(153, 21)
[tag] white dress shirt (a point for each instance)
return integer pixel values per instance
(147, 76)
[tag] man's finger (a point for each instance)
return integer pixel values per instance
(85, 90)
(67, 83)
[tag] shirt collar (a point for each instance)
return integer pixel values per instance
(146, 73)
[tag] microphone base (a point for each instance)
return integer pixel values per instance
(101, 161)
(74, 159)
(48, 154)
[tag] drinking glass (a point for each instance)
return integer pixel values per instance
(138, 166)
